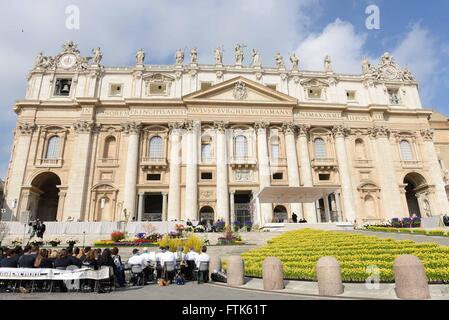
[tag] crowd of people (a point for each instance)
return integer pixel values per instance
(152, 264)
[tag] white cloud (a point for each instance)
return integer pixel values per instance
(340, 40)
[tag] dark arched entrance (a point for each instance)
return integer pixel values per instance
(415, 184)
(207, 213)
(280, 214)
(46, 184)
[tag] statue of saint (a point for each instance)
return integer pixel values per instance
(366, 66)
(218, 56)
(239, 56)
(39, 61)
(257, 62)
(295, 61)
(193, 56)
(179, 57)
(97, 56)
(279, 61)
(140, 56)
(328, 64)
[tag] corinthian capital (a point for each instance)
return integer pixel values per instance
(26, 128)
(427, 134)
(340, 131)
(175, 126)
(84, 126)
(289, 127)
(377, 132)
(221, 126)
(303, 130)
(132, 127)
(261, 125)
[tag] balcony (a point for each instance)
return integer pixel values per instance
(153, 163)
(243, 162)
(207, 161)
(107, 162)
(363, 163)
(412, 164)
(325, 164)
(278, 162)
(49, 163)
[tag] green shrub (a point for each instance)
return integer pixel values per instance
(439, 233)
(420, 231)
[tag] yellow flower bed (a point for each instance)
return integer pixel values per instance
(300, 250)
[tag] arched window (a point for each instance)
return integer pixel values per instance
(156, 150)
(360, 151)
(320, 148)
(406, 151)
(241, 147)
(274, 147)
(109, 148)
(53, 148)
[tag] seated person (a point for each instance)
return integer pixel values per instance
(202, 257)
(28, 257)
(168, 256)
(190, 262)
(11, 260)
(159, 265)
(63, 260)
(150, 260)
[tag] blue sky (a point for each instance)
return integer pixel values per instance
(415, 32)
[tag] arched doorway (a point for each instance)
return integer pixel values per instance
(46, 186)
(207, 213)
(415, 186)
(280, 214)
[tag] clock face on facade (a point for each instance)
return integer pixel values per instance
(390, 73)
(67, 61)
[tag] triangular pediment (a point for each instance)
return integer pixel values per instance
(239, 90)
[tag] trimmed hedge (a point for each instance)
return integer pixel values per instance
(300, 250)
(440, 233)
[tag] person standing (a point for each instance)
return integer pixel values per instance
(294, 218)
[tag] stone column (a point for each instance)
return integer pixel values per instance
(306, 172)
(79, 170)
(191, 194)
(391, 196)
(131, 171)
(232, 210)
(264, 169)
(326, 208)
(222, 171)
(337, 204)
(174, 191)
(435, 171)
(340, 133)
(17, 169)
(141, 206)
(164, 206)
(292, 162)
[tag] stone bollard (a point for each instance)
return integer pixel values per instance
(329, 277)
(235, 271)
(214, 264)
(410, 278)
(273, 274)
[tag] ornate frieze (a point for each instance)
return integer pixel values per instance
(26, 128)
(427, 134)
(240, 91)
(379, 131)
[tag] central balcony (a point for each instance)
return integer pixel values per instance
(107, 162)
(363, 163)
(49, 163)
(324, 164)
(412, 164)
(243, 162)
(153, 163)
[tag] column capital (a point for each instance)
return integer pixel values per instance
(340, 131)
(164, 194)
(261, 125)
(221, 126)
(132, 127)
(85, 126)
(191, 125)
(26, 128)
(175, 126)
(427, 134)
(303, 130)
(289, 128)
(379, 131)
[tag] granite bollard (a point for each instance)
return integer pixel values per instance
(410, 278)
(235, 271)
(329, 277)
(273, 274)
(214, 264)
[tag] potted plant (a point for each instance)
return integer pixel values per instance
(116, 236)
(71, 242)
(237, 226)
(200, 228)
(37, 242)
(54, 242)
(248, 225)
(16, 242)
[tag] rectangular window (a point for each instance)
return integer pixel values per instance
(314, 93)
(206, 85)
(154, 177)
(324, 177)
(278, 176)
(158, 88)
(62, 87)
(206, 175)
(115, 90)
(393, 95)
(350, 95)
